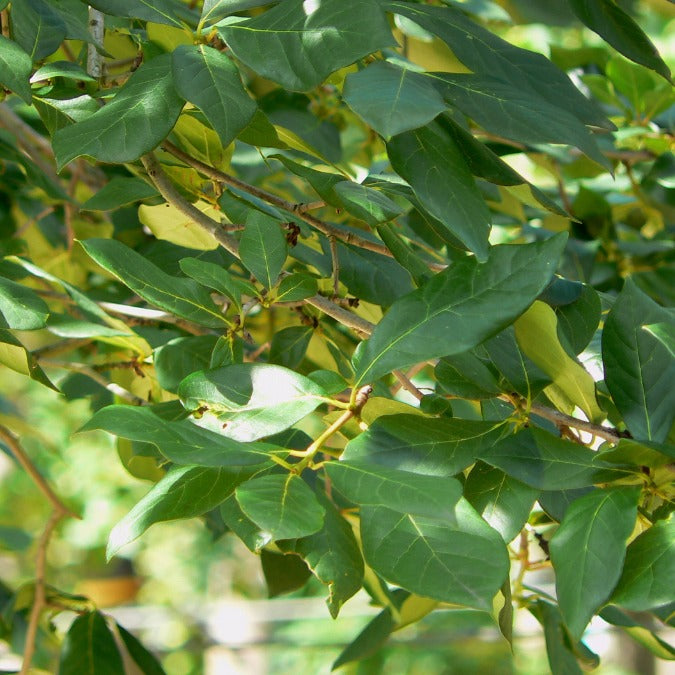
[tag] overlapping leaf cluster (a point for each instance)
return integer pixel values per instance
(254, 223)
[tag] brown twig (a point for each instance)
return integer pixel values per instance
(336, 265)
(173, 197)
(406, 383)
(342, 315)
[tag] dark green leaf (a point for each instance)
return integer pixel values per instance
(608, 20)
(283, 573)
(430, 161)
(66, 326)
(508, 109)
(299, 45)
(429, 446)
(90, 648)
(289, 345)
(639, 371)
(460, 560)
(168, 12)
(209, 79)
(253, 399)
(579, 320)
(560, 657)
(281, 504)
(296, 287)
(148, 664)
(368, 641)
(140, 116)
(664, 333)
(15, 67)
(119, 191)
(184, 492)
(333, 556)
(587, 552)
(403, 254)
(459, 308)
(263, 247)
(367, 204)
(369, 484)
(180, 441)
(182, 297)
(392, 99)
(20, 307)
(243, 526)
(646, 581)
(467, 376)
(218, 278)
(66, 69)
(37, 28)
(180, 357)
(215, 10)
(504, 502)
(547, 462)
(484, 52)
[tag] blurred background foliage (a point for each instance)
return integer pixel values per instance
(182, 580)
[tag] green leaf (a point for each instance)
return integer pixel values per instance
(537, 335)
(579, 320)
(430, 161)
(610, 22)
(368, 484)
(209, 79)
(66, 326)
(168, 12)
(428, 446)
(639, 371)
(588, 550)
(181, 441)
(467, 376)
(184, 492)
(367, 204)
(140, 115)
(296, 287)
(250, 534)
(508, 109)
(90, 647)
(15, 356)
(182, 297)
(37, 28)
(119, 191)
(664, 333)
(646, 581)
(215, 10)
(368, 641)
(392, 99)
(263, 248)
(641, 630)
(458, 308)
(180, 357)
(218, 278)
(299, 45)
(461, 560)
(560, 656)
(481, 51)
(504, 502)
(251, 400)
(283, 573)
(289, 346)
(20, 307)
(15, 67)
(403, 254)
(546, 462)
(65, 69)
(281, 504)
(333, 555)
(148, 664)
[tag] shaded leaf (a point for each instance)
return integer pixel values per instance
(148, 664)
(184, 492)
(15, 67)
(168, 12)
(263, 247)
(430, 161)
(561, 658)
(90, 647)
(296, 287)
(664, 333)
(460, 560)
(289, 345)
(368, 641)
(428, 446)
(15, 356)
(639, 371)
(140, 115)
(281, 504)
(37, 28)
(209, 79)
(367, 204)
(546, 462)
(646, 581)
(298, 45)
(587, 552)
(392, 99)
(119, 191)
(182, 297)
(20, 307)
(458, 308)
(283, 573)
